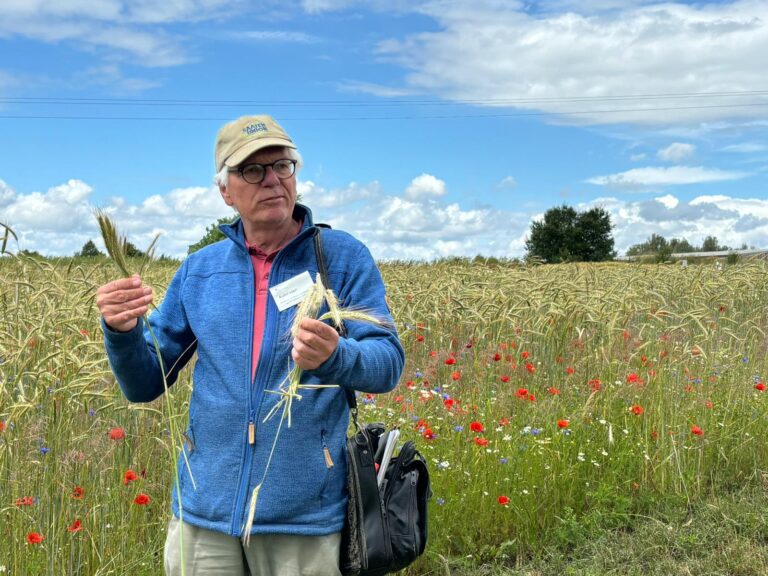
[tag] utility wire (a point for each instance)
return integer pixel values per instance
(352, 103)
(409, 117)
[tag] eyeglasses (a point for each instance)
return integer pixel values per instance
(255, 173)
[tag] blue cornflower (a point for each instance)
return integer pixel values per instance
(745, 359)
(44, 450)
(535, 431)
(91, 412)
(440, 501)
(503, 460)
(418, 374)
(459, 428)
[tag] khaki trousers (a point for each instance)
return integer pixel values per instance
(209, 553)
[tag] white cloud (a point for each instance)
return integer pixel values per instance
(676, 152)
(734, 221)
(669, 201)
(277, 36)
(60, 220)
(745, 148)
(425, 186)
(546, 61)
(506, 183)
(637, 157)
(661, 176)
(394, 226)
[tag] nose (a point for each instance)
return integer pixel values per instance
(270, 178)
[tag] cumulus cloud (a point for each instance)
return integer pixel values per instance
(425, 186)
(60, 220)
(277, 36)
(661, 176)
(507, 183)
(676, 152)
(734, 221)
(545, 61)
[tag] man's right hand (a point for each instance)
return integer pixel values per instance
(122, 302)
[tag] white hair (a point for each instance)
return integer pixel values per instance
(222, 178)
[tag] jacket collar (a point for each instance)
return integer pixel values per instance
(234, 231)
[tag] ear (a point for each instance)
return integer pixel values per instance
(225, 194)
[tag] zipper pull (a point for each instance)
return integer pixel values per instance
(326, 452)
(328, 460)
(251, 428)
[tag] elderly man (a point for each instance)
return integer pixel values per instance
(230, 302)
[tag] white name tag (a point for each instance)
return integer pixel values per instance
(292, 291)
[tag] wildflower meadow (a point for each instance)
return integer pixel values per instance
(546, 399)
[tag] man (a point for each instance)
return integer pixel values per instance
(227, 304)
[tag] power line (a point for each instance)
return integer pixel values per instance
(390, 103)
(409, 117)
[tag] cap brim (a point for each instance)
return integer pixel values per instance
(253, 146)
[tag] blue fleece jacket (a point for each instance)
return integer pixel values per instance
(208, 310)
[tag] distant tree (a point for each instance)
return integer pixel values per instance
(654, 245)
(679, 245)
(89, 250)
(132, 252)
(212, 234)
(567, 235)
(594, 241)
(31, 253)
(711, 244)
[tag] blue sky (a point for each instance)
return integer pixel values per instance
(428, 129)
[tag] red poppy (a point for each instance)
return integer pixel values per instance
(456, 375)
(709, 404)
(428, 434)
(637, 410)
(410, 384)
(433, 353)
(521, 392)
(76, 527)
(83, 332)
(626, 335)
(419, 337)
(476, 426)
(35, 538)
(503, 500)
(129, 477)
(760, 387)
(481, 441)
(78, 493)
(552, 390)
(696, 431)
(141, 500)
(562, 423)
(496, 357)
(569, 370)
(633, 378)
(448, 403)
(2, 425)
(525, 355)
(116, 433)
(595, 384)
(530, 367)
(504, 421)
(24, 501)
(504, 378)
(450, 361)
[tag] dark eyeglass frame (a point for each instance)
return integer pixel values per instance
(242, 168)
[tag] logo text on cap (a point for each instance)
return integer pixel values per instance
(252, 129)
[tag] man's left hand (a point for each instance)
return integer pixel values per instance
(314, 344)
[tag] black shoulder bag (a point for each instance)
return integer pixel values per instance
(386, 525)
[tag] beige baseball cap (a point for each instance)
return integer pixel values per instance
(242, 137)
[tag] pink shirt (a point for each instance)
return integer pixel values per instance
(262, 264)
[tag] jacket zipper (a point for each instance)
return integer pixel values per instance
(238, 516)
(245, 471)
(326, 452)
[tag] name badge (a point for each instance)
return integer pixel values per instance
(292, 291)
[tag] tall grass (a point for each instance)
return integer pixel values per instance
(545, 399)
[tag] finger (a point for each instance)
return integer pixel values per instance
(123, 296)
(316, 326)
(120, 284)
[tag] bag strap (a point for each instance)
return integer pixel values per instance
(342, 330)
